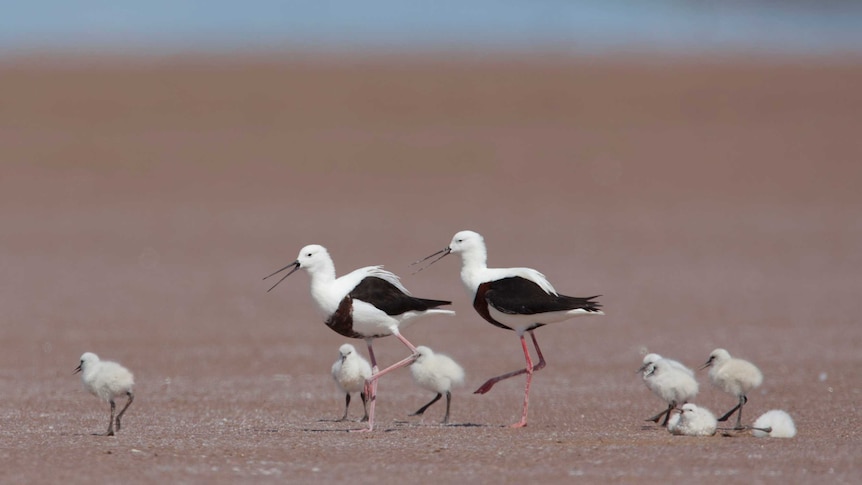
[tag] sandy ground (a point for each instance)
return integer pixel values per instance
(712, 204)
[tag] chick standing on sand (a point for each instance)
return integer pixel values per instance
(672, 384)
(107, 381)
(733, 376)
(350, 372)
(436, 373)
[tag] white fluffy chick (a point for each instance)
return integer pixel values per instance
(733, 376)
(107, 381)
(777, 421)
(350, 372)
(692, 420)
(437, 373)
(673, 385)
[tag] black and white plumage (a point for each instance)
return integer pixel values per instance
(733, 376)
(107, 381)
(366, 303)
(519, 299)
(350, 371)
(436, 373)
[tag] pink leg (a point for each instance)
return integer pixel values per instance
(371, 383)
(541, 365)
(529, 369)
(370, 388)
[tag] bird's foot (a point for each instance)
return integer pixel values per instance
(485, 387)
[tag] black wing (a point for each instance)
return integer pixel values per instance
(520, 296)
(387, 297)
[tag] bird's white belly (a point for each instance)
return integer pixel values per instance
(520, 322)
(369, 320)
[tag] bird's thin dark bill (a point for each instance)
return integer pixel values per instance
(295, 265)
(77, 369)
(445, 252)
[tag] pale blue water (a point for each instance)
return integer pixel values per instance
(577, 26)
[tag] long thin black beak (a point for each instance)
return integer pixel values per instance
(445, 252)
(643, 367)
(295, 265)
(707, 364)
(77, 369)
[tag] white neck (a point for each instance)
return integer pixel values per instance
(321, 281)
(473, 264)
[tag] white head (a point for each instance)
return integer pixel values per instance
(87, 359)
(716, 358)
(424, 352)
(466, 241)
(469, 244)
(312, 258)
(687, 413)
(345, 351)
(688, 408)
(649, 359)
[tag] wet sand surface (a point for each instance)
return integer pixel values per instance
(711, 204)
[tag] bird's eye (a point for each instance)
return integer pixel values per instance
(308, 255)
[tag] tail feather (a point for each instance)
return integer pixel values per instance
(592, 306)
(433, 303)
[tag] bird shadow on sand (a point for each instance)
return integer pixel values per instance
(87, 434)
(647, 427)
(352, 427)
(737, 432)
(420, 424)
(396, 426)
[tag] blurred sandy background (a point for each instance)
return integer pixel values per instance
(712, 201)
